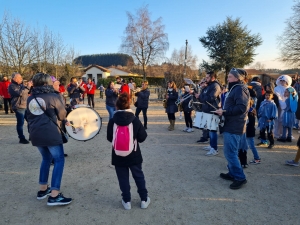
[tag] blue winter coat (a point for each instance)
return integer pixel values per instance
(267, 111)
(143, 99)
(288, 117)
(111, 97)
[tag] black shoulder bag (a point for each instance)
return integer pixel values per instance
(64, 136)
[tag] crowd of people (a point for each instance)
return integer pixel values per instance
(239, 105)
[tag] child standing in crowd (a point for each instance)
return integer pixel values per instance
(133, 161)
(250, 133)
(267, 114)
(288, 118)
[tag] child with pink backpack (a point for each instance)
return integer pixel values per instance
(126, 131)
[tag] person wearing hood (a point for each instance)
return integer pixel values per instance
(282, 82)
(235, 112)
(288, 117)
(46, 136)
(210, 100)
(123, 117)
(256, 86)
(19, 95)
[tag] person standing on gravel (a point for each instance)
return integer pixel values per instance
(19, 95)
(235, 111)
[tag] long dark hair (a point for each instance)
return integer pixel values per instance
(108, 86)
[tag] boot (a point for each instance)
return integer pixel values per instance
(169, 127)
(172, 125)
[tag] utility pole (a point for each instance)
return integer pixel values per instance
(186, 43)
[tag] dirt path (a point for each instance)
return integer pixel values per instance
(183, 184)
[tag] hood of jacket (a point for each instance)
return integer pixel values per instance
(123, 117)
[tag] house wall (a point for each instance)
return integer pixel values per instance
(95, 74)
(116, 72)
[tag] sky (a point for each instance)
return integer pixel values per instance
(97, 26)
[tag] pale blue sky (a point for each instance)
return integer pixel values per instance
(96, 26)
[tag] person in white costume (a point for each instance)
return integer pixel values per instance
(282, 82)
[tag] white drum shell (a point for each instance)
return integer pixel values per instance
(206, 121)
(86, 123)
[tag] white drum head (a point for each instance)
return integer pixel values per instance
(86, 123)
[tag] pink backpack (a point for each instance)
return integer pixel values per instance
(123, 142)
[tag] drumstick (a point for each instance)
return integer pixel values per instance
(211, 105)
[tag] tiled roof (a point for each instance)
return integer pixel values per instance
(97, 66)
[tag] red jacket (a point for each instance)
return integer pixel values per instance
(4, 89)
(90, 88)
(124, 88)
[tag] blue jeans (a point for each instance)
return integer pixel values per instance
(20, 114)
(289, 132)
(250, 141)
(213, 139)
(231, 147)
(57, 153)
(137, 112)
(110, 110)
(139, 178)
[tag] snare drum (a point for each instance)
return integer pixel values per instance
(206, 121)
(85, 123)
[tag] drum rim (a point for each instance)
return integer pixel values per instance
(86, 106)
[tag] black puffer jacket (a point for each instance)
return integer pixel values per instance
(143, 98)
(124, 118)
(43, 132)
(211, 95)
(185, 103)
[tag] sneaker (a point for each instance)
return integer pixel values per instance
(185, 129)
(291, 163)
(237, 184)
(23, 141)
(270, 146)
(202, 141)
(190, 130)
(281, 139)
(226, 176)
(58, 200)
(255, 161)
(262, 144)
(206, 148)
(127, 205)
(212, 152)
(145, 204)
(43, 194)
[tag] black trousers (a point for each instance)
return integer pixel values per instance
(188, 119)
(262, 133)
(7, 103)
(144, 110)
(139, 178)
(171, 116)
(91, 100)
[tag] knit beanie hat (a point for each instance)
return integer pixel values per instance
(238, 73)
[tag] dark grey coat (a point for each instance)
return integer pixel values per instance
(43, 132)
(19, 95)
(211, 95)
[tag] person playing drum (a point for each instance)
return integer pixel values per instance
(210, 100)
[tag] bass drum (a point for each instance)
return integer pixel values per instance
(85, 123)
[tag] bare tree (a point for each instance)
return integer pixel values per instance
(258, 66)
(290, 38)
(144, 40)
(15, 45)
